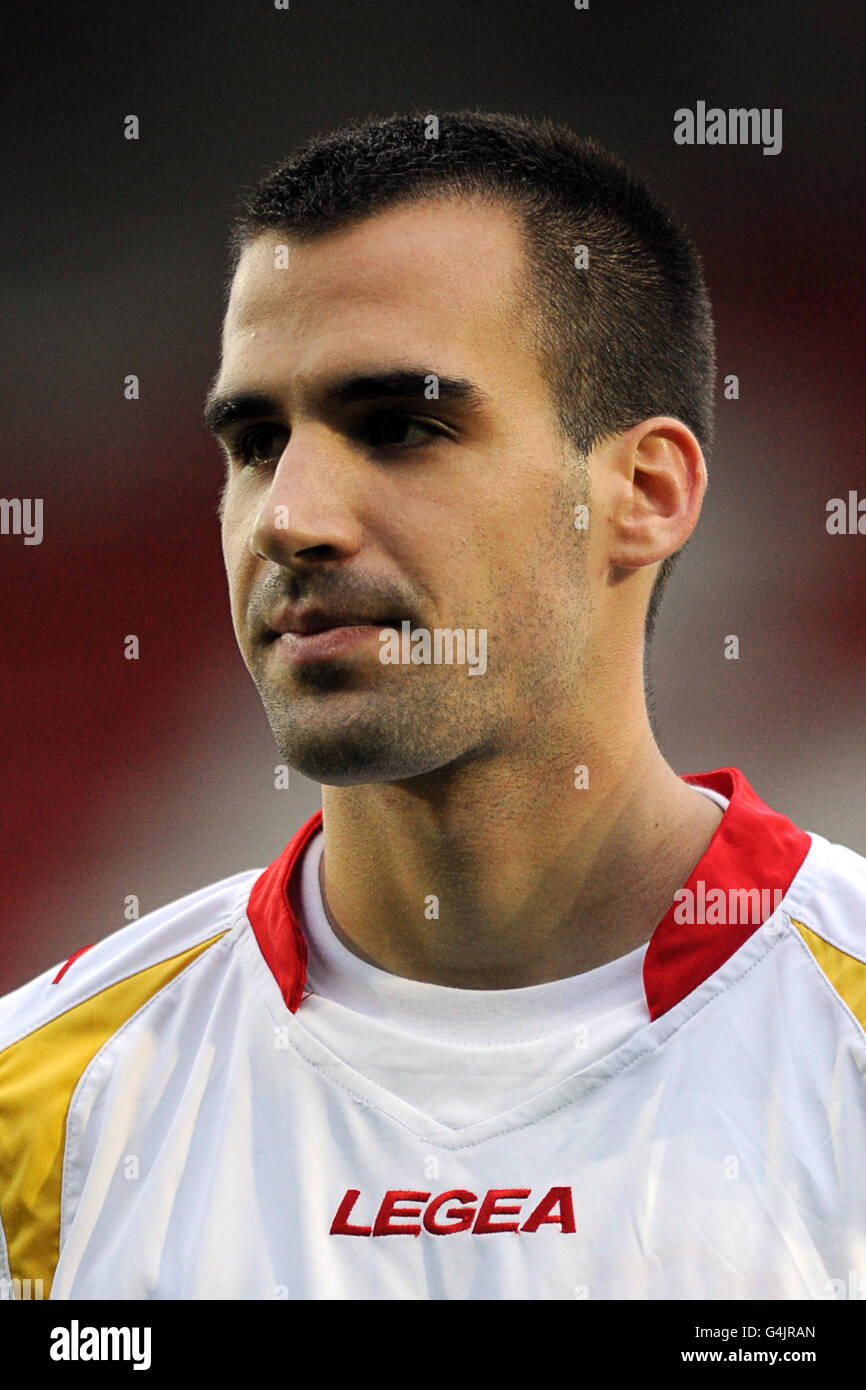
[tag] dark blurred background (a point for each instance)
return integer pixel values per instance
(154, 777)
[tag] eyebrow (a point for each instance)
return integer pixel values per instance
(223, 409)
(226, 408)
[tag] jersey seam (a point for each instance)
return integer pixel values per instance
(837, 998)
(118, 1032)
(829, 940)
(809, 886)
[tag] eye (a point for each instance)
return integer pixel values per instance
(396, 429)
(262, 444)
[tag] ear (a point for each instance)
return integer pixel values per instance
(657, 479)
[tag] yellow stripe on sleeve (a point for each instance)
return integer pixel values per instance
(38, 1075)
(846, 973)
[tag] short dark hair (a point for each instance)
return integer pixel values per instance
(629, 337)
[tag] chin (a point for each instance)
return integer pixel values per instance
(343, 749)
(345, 738)
(347, 762)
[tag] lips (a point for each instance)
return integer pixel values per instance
(319, 620)
(324, 644)
(308, 636)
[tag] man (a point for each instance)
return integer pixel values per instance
(522, 1013)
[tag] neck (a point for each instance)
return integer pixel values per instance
(502, 873)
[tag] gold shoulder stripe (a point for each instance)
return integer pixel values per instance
(38, 1075)
(846, 974)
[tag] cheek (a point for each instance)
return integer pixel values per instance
(239, 565)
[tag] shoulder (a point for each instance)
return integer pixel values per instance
(114, 977)
(827, 907)
(51, 1030)
(828, 896)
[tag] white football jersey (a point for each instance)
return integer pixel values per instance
(183, 1116)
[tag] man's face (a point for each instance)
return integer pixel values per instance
(357, 499)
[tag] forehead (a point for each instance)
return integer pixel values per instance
(438, 275)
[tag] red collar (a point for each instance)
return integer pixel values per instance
(753, 848)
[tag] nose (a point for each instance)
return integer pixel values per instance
(310, 511)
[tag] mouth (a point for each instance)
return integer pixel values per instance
(322, 638)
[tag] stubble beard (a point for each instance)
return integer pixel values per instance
(337, 727)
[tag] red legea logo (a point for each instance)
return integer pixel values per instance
(405, 1213)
